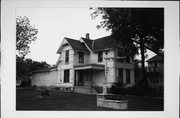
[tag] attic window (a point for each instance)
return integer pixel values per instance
(67, 56)
(100, 56)
(65, 44)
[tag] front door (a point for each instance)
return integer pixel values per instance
(80, 78)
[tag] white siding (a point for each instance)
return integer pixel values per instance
(86, 58)
(98, 77)
(44, 79)
(64, 66)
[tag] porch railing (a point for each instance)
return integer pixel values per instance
(98, 89)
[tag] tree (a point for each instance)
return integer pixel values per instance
(35, 65)
(25, 66)
(25, 34)
(142, 26)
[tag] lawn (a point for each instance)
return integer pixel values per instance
(27, 99)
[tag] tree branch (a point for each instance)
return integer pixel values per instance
(160, 54)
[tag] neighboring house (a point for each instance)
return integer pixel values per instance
(156, 71)
(81, 64)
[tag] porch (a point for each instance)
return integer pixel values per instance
(86, 76)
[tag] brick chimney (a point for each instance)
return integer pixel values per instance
(87, 36)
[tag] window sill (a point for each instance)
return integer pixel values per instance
(66, 63)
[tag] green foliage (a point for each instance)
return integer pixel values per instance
(25, 66)
(25, 34)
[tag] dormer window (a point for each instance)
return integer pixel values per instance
(100, 56)
(67, 56)
(81, 57)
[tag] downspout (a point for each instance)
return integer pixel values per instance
(114, 64)
(91, 82)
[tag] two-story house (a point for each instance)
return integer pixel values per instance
(156, 72)
(85, 63)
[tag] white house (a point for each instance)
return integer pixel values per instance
(86, 63)
(156, 72)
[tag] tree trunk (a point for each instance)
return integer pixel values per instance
(160, 54)
(143, 62)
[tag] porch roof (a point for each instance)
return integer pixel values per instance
(89, 66)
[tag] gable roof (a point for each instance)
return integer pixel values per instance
(101, 43)
(77, 45)
(91, 45)
(104, 43)
(88, 42)
(156, 58)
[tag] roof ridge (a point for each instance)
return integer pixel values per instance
(77, 45)
(87, 39)
(103, 37)
(70, 38)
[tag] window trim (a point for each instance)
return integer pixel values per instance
(128, 60)
(66, 56)
(81, 55)
(66, 75)
(120, 53)
(100, 56)
(128, 76)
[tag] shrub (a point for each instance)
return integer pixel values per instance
(139, 91)
(26, 83)
(99, 89)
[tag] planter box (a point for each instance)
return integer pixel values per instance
(115, 104)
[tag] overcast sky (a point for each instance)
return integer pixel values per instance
(54, 24)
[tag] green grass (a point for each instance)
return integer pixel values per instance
(29, 100)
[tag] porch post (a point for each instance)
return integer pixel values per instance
(91, 79)
(124, 76)
(105, 79)
(132, 77)
(76, 77)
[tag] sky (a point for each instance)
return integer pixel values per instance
(54, 24)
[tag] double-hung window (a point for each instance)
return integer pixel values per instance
(100, 56)
(81, 57)
(67, 56)
(66, 76)
(120, 53)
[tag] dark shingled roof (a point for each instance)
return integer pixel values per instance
(156, 58)
(88, 42)
(77, 45)
(92, 45)
(104, 43)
